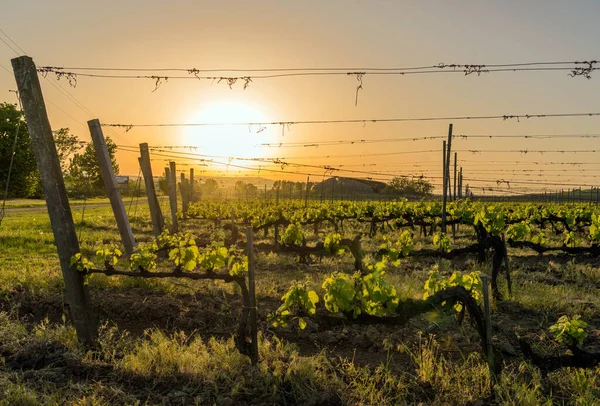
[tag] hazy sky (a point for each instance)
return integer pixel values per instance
(313, 34)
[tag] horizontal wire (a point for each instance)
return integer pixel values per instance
(357, 121)
(439, 66)
(262, 169)
(518, 182)
(73, 74)
(276, 161)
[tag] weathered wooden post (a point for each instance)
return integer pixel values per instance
(111, 185)
(455, 174)
(448, 155)
(252, 293)
(172, 185)
(444, 188)
(59, 210)
(454, 197)
(460, 193)
(192, 193)
(306, 192)
(488, 327)
(158, 221)
(183, 189)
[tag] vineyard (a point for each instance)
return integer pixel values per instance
(373, 291)
(301, 230)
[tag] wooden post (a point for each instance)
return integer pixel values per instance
(158, 221)
(455, 173)
(488, 327)
(460, 184)
(454, 197)
(252, 293)
(306, 192)
(444, 189)
(322, 189)
(59, 210)
(234, 229)
(448, 155)
(192, 193)
(172, 184)
(183, 189)
(112, 187)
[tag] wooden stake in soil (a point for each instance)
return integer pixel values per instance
(306, 192)
(59, 210)
(444, 188)
(252, 292)
(191, 195)
(183, 189)
(173, 194)
(111, 185)
(158, 222)
(488, 326)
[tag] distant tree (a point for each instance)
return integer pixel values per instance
(163, 185)
(409, 186)
(251, 190)
(209, 187)
(245, 190)
(67, 144)
(24, 178)
(84, 171)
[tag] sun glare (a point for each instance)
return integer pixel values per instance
(228, 141)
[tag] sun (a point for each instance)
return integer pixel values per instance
(226, 140)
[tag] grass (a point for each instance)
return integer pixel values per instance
(169, 342)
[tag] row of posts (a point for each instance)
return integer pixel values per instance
(448, 192)
(59, 209)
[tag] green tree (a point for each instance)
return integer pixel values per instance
(245, 190)
(24, 177)
(210, 187)
(163, 185)
(84, 172)
(67, 144)
(409, 186)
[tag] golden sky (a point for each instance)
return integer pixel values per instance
(316, 34)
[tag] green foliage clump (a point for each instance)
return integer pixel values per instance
(297, 300)
(81, 263)
(340, 294)
(595, 228)
(143, 258)
(107, 255)
(470, 281)
(378, 297)
(185, 254)
(333, 243)
(491, 218)
(399, 248)
(442, 242)
(293, 235)
(570, 332)
(518, 231)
